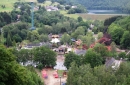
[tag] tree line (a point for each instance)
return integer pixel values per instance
(12, 73)
(120, 5)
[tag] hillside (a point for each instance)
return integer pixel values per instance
(122, 5)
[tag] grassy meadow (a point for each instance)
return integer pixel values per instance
(9, 4)
(100, 17)
(86, 16)
(75, 16)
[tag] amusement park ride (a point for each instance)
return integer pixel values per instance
(32, 16)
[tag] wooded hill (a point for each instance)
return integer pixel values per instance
(123, 5)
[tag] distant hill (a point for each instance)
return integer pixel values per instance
(122, 5)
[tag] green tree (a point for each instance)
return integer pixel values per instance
(125, 40)
(11, 73)
(43, 38)
(113, 48)
(93, 58)
(71, 57)
(100, 48)
(116, 33)
(79, 31)
(9, 40)
(65, 38)
(100, 35)
(44, 56)
(80, 19)
(122, 55)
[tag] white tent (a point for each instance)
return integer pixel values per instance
(55, 40)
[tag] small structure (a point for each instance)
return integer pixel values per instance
(55, 40)
(113, 63)
(32, 45)
(73, 6)
(51, 8)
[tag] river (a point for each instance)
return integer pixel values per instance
(104, 12)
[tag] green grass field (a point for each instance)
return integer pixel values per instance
(9, 4)
(86, 16)
(100, 17)
(75, 16)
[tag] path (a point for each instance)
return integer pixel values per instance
(55, 81)
(51, 80)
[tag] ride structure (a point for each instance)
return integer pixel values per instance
(32, 16)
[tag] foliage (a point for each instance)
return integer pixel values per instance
(44, 56)
(79, 31)
(109, 21)
(119, 31)
(65, 38)
(100, 48)
(88, 39)
(5, 18)
(122, 55)
(125, 40)
(100, 35)
(85, 75)
(93, 58)
(116, 33)
(105, 4)
(13, 73)
(113, 49)
(71, 57)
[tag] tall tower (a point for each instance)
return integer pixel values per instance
(32, 16)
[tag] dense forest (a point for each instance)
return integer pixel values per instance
(122, 5)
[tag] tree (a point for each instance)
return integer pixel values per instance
(116, 33)
(113, 49)
(9, 40)
(122, 55)
(43, 38)
(100, 48)
(71, 57)
(44, 56)
(11, 73)
(100, 35)
(79, 31)
(81, 75)
(80, 19)
(93, 58)
(17, 38)
(65, 38)
(125, 40)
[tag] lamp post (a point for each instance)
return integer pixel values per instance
(60, 80)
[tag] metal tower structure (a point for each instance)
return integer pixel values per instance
(32, 16)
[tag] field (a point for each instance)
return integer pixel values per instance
(9, 4)
(86, 16)
(100, 17)
(75, 16)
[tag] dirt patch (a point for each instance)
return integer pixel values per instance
(51, 80)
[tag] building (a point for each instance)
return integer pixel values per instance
(51, 8)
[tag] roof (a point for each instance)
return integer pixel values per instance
(55, 40)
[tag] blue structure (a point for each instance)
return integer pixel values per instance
(32, 16)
